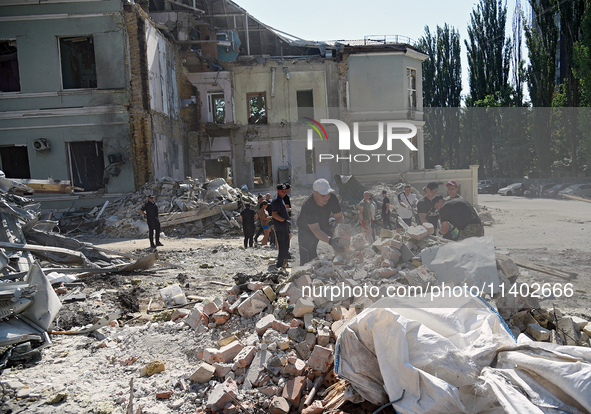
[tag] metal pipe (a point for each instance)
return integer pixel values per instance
(273, 82)
(247, 34)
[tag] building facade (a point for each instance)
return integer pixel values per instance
(91, 93)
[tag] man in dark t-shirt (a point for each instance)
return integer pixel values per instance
(457, 213)
(425, 208)
(248, 216)
(150, 211)
(281, 224)
(313, 221)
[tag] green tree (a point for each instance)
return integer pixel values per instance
(541, 38)
(442, 86)
(582, 71)
(489, 57)
(571, 17)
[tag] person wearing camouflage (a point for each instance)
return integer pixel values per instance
(458, 217)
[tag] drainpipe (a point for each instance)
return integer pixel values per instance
(247, 35)
(273, 82)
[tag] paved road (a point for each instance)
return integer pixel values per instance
(528, 223)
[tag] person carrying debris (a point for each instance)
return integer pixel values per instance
(427, 211)
(452, 190)
(281, 223)
(365, 216)
(313, 221)
(248, 217)
(264, 219)
(458, 217)
(406, 200)
(150, 211)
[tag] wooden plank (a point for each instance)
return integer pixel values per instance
(539, 268)
(190, 216)
(572, 197)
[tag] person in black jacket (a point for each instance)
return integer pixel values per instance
(150, 211)
(248, 217)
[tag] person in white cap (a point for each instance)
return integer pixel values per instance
(313, 221)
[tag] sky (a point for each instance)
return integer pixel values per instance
(349, 20)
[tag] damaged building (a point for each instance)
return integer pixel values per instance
(132, 92)
(91, 95)
(259, 88)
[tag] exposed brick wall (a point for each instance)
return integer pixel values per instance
(139, 110)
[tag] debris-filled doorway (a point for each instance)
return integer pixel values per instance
(14, 161)
(262, 172)
(87, 165)
(219, 167)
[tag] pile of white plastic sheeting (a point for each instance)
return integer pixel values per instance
(457, 355)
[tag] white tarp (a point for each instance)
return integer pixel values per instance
(445, 358)
(468, 262)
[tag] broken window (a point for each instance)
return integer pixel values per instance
(262, 172)
(217, 108)
(87, 165)
(14, 161)
(9, 76)
(411, 74)
(310, 161)
(78, 66)
(305, 104)
(257, 108)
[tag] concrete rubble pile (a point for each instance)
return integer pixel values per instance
(186, 208)
(279, 330)
(28, 299)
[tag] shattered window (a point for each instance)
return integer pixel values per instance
(78, 65)
(87, 165)
(257, 108)
(411, 74)
(9, 76)
(217, 108)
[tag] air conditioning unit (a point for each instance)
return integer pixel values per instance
(41, 144)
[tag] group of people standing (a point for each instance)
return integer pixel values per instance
(274, 216)
(459, 220)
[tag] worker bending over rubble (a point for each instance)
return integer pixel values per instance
(313, 221)
(150, 211)
(458, 217)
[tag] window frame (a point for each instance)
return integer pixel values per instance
(60, 39)
(411, 91)
(250, 95)
(13, 43)
(211, 115)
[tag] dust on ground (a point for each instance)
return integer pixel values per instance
(94, 372)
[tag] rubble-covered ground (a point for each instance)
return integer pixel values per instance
(102, 372)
